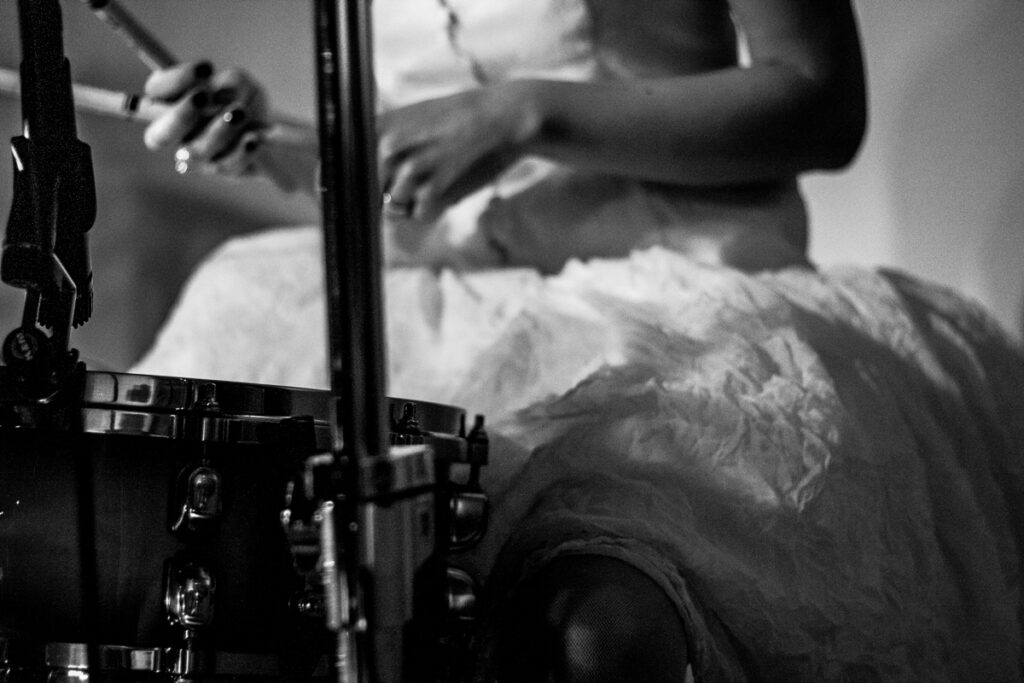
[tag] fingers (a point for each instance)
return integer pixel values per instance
(175, 126)
(425, 182)
(219, 137)
(170, 84)
(240, 160)
(407, 191)
(408, 178)
(210, 117)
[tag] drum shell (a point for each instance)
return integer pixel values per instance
(58, 489)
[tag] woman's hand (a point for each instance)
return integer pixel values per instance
(434, 153)
(218, 123)
(214, 121)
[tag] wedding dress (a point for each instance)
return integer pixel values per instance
(822, 468)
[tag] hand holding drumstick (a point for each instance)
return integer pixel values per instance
(262, 148)
(218, 121)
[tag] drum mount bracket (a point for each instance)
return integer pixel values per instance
(419, 505)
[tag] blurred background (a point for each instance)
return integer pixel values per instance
(937, 191)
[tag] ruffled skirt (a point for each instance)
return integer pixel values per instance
(823, 470)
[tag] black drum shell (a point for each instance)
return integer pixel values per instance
(58, 489)
(90, 484)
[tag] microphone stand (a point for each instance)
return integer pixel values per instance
(45, 250)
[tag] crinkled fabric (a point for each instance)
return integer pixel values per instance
(822, 469)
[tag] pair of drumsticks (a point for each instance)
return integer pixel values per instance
(137, 107)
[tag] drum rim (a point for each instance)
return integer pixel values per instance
(62, 657)
(189, 408)
(180, 394)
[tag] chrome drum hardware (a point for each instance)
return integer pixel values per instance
(198, 500)
(163, 499)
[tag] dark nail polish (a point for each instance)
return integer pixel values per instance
(235, 117)
(222, 96)
(200, 99)
(203, 70)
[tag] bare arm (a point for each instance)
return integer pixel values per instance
(799, 106)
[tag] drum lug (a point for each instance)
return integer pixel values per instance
(188, 598)
(408, 423)
(461, 594)
(206, 397)
(469, 506)
(468, 511)
(199, 500)
(478, 443)
(188, 601)
(309, 604)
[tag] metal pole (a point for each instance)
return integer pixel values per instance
(350, 201)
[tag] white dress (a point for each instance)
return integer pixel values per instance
(823, 470)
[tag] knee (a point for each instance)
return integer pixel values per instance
(592, 618)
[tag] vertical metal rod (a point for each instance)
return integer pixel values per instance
(350, 198)
(350, 203)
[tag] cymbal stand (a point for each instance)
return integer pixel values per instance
(387, 513)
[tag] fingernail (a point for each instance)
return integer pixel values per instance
(235, 117)
(200, 99)
(223, 96)
(203, 70)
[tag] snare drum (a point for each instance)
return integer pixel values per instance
(166, 491)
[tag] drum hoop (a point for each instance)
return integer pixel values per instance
(68, 657)
(162, 405)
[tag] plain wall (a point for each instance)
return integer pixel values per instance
(936, 190)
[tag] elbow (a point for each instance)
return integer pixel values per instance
(842, 134)
(838, 152)
(820, 120)
(824, 128)
(833, 120)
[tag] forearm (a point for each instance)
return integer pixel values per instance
(725, 127)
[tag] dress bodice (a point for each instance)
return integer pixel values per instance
(540, 213)
(432, 48)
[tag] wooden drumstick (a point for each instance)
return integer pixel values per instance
(95, 100)
(130, 106)
(150, 50)
(127, 106)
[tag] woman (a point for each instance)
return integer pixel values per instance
(646, 114)
(708, 457)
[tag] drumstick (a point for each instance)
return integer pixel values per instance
(96, 100)
(150, 50)
(130, 106)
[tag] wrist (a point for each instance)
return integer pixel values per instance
(523, 103)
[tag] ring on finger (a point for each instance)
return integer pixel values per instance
(181, 160)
